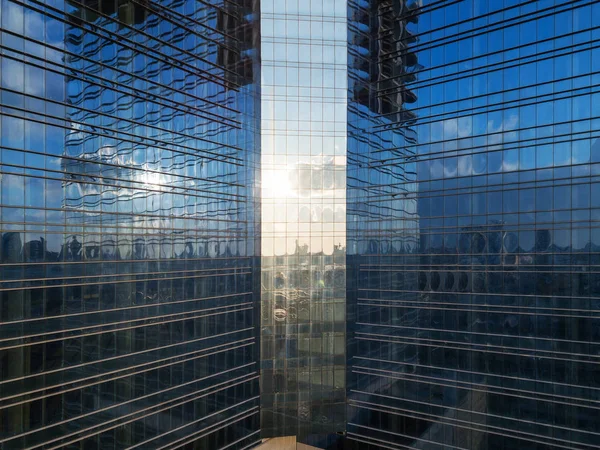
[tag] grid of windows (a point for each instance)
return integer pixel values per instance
(128, 263)
(473, 233)
(303, 174)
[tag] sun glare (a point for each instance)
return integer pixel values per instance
(276, 184)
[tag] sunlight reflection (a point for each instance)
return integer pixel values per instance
(277, 184)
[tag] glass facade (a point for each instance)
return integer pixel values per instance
(303, 154)
(373, 225)
(129, 272)
(473, 236)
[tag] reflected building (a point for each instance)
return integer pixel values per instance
(478, 329)
(129, 260)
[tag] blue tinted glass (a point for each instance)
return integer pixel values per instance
(472, 279)
(128, 257)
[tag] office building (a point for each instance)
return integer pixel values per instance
(303, 174)
(129, 283)
(345, 224)
(473, 235)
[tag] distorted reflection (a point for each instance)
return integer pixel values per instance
(128, 256)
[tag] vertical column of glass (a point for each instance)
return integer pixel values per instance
(304, 84)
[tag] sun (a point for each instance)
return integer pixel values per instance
(276, 183)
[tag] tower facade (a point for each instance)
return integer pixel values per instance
(473, 288)
(129, 261)
(303, 261)
(350, 224)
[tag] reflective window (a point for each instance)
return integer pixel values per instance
(128, 151)
(303, 257)
(473, 147)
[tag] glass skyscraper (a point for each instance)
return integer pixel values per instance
(352, 224)
(129, 258)
(303, 173)
(473, 235)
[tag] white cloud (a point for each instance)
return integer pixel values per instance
(465, 165)
(502, 131)
(13, 74)
(509, 167)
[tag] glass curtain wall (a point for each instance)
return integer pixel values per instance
(128, 257)
(304, 84)
(383, 217)
(480, 330)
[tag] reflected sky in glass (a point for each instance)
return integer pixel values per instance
(473, 158)
(128, 150)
